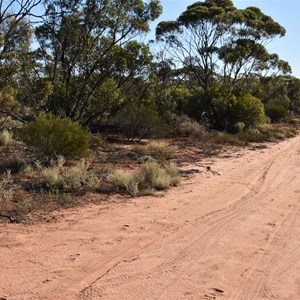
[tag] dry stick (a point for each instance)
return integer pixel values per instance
(12, 116)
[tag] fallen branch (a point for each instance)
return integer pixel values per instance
(12, 116)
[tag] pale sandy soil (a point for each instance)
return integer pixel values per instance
(232, 232)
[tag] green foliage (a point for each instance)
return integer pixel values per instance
(106, 98)
(231, 109)
(89, 53)
(294, 121)
(294, 93)
(15, 36)
(260, 134)
(54, 136)
(196, 38)
(275, 112)
(139, 121)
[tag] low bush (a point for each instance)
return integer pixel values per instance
(183, 126)
(9, 123)
(54, 136)
(294, 121)
(231, 109)
(225, 138)
(139, 121)
(275, 112)
(52, 179)
(268, 133)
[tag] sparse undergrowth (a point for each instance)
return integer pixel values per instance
(6, 194)
(57, 177)
(34, 186)
(260, 134)
(149, 176)
(158, 150)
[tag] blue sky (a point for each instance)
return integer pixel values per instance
(285, 12)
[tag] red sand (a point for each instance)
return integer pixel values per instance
(229, 234)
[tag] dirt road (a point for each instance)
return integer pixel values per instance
(229, 232)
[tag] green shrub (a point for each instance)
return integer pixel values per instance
(139, 121)
(239, 126)
(231, 109)
(275, 112)
(54, 136)
(154, 176)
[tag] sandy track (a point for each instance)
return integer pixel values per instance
(235, 235)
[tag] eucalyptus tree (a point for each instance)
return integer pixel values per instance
(15, 23)
(86, 49)
(213, 38)
(16, 18)
(219, 47)
(294, 93)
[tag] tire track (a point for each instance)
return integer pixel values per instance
(217, 230)
(226, 218)
(294, 257)
(255, 282)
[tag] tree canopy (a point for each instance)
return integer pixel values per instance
(215, 38)
(88, 60)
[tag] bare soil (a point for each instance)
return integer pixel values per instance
(229, 231)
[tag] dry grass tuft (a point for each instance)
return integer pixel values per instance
(159, 150)
(6, 138)
(58, 177)
(6, 193)
(149, 176)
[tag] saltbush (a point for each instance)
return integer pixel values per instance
(54, 136)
